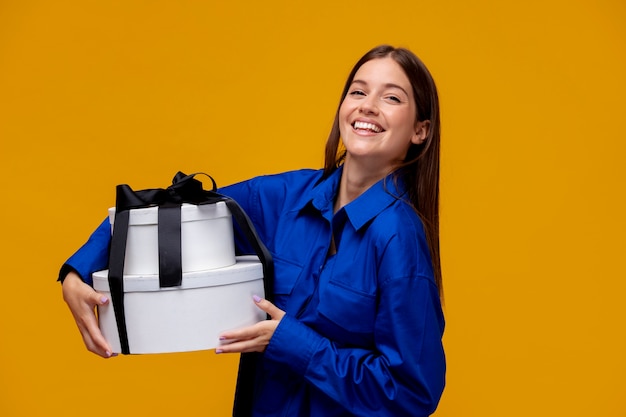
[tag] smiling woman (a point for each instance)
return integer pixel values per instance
(356, 322)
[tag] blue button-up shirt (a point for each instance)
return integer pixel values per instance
(363, 326)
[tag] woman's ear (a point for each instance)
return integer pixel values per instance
(421, 132)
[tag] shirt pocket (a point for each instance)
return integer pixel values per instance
(348, 308)
(286, 273)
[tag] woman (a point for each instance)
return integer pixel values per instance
(356, 324)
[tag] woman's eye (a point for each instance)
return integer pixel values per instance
(357, 93)
(394, 98)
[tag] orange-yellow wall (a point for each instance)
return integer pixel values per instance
(97, 93)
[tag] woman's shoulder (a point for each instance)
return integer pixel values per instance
(400, 226)
(295, 179)
(400, 236)
(276, 190)
(400, 218)
(302, 176)
(289, 182)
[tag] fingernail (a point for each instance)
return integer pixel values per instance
(256, 298)
(222, 338)
(104, 300)
(218, 350)
(114, 354)
(108, 354)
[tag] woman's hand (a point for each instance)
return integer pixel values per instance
(253, 338)
(82, 300)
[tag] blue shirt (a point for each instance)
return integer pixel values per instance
(363, 327)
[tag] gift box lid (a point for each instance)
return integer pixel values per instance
(246, 268)
(188, 213)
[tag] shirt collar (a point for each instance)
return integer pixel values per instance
(323, 195)
(367, 206)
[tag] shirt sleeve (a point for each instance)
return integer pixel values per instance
(92, 256)
(402, 372)
(246, 196)
(264, 199)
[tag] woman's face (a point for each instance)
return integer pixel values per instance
(377, 118)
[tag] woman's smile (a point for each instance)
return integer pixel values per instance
(367, 127)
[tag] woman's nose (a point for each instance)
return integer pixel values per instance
(368, 106)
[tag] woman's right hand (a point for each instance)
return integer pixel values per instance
(82, 301)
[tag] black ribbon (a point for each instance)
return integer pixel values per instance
(184, 189)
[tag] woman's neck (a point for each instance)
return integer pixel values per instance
(355, 180)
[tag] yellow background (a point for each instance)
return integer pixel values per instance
(93, 94)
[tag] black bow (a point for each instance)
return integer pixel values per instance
(184, 189)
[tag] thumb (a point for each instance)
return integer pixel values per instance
(99, 299)
(275, 312)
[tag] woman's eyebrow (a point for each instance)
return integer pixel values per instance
(387, 85)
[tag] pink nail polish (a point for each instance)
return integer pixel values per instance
(218, 350)
(256, 298)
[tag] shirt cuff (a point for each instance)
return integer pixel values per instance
(293, 344)
(92, 256)
(66, 269)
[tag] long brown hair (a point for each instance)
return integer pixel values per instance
(420, 170)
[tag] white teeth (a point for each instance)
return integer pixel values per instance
(367, 126)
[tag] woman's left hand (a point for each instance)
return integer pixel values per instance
(253, 338)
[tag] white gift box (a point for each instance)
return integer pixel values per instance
(206, 238)
(185, 318)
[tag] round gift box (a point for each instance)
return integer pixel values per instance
(207, 240)
(185, 318)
